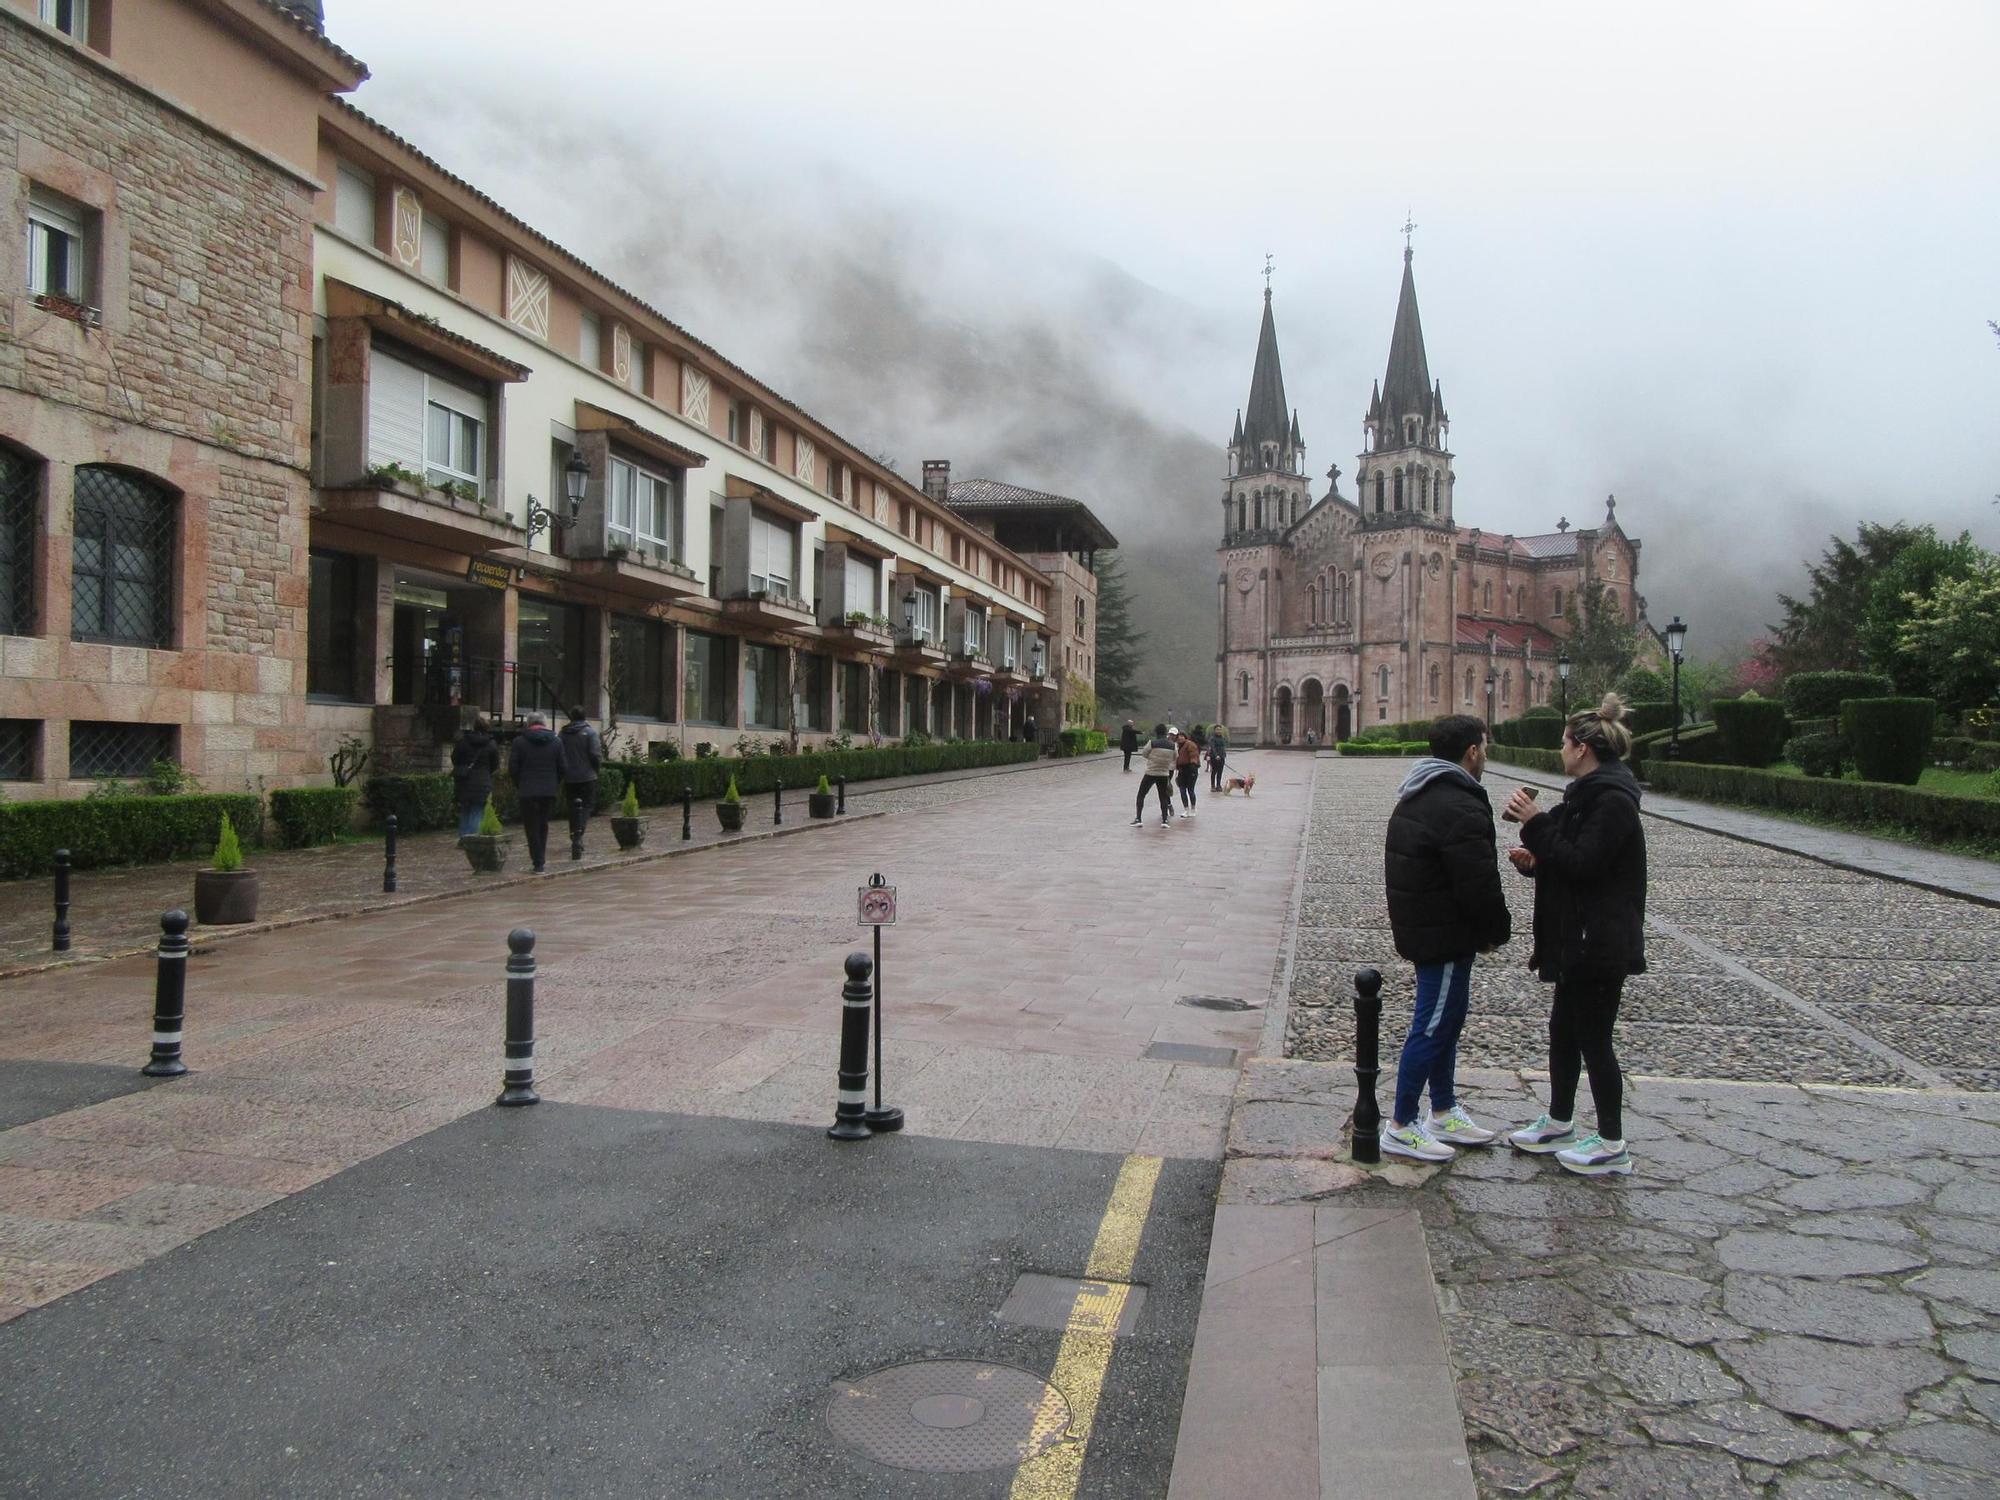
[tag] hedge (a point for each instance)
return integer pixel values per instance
(1528, 758)
(1817, 754)
(1079, 742)
(1648, 718)
(420, 801)
(1701, 744)
(1537, 729)
(121, 830)
(1890, 737)
(1818, 695)
(1384, 747)
(308, 815)
(1753, 730)
(1966, 754)
(1815, 726)
(1933, 814)
(660, 781)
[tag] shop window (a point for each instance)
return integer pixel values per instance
(101, 751)
(332, 606)
(641, 651)
(20, 508)
(764, 687)
(548, 650)
(815, 693)
(705, 678)
(122, 568)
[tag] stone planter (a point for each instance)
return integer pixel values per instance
(225, 897)
(631, 832)
(730, 815)
(820, 804)
(485, 852)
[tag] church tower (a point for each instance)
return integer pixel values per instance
(1405, 474)
(1265, 491)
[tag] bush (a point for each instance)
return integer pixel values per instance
(1753, 730)
(228, 856)
(1082, 741)
(1643, 684)
(120, 830)
(1966, 754)
(489, 820)
(1529, 759)
(1815, 726)
(1817, 754)
(1891, 737)
(660, 782)
(1818, 695)
(1384, 747)
(628, 805)
(420, 801)
(1927, 813)
(1701, 744)
(1537, 729)
(610, 787)
(1648, 717)
(309, 815)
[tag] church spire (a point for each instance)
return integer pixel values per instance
(1264, 419)
(1406, 388)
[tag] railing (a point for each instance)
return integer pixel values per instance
(481, 683)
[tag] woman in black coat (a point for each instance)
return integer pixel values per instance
(1587, 857)
(474, 759)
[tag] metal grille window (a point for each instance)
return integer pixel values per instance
(17, 749)
(20, 486)
(122, 584)
(100, 750)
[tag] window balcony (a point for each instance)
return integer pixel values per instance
(395, 502)
(770, 608)
(918, 647)
(637, 574)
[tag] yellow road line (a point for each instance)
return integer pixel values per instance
(1088, 1338)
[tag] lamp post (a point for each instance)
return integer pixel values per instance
(1562, 675)
(1677, 635)
(1492, 677)
(910, 617)
(576, 479)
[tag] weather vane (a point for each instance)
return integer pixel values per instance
(1269, 264)
(1409, 228)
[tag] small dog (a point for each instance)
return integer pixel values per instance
(1241, 784)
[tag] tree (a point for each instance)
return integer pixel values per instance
(1916, 574)
(1644, 685)
(1117, 642)
(1601, 645)
(1822, 632)
(1951, 640)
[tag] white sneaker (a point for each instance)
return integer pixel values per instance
(1413, 1140)
(1544, 1136)
(1455, 1127)
(1594, 1156)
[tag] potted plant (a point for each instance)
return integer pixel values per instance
(730, 809)
(486, 850)
(819, 802)
(626, 823)
(227, 893)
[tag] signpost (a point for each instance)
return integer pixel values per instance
(875, 907)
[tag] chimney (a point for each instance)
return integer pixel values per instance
(937, 479)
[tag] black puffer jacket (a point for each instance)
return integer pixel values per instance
(1443, 873)
(1590, 879)
(474, 759)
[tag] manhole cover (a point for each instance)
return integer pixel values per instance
(948, 1416)
(1215, 1002)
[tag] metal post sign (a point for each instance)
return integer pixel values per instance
(876, 904)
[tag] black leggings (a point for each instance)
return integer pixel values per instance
(1147, 784)
(1215, 773)
(1580, 1037)
(1185, 776)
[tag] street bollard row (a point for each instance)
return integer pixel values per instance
(850, 1115)
(518, 1081)
(59, 933)
(169, 998)
(1367, 1139)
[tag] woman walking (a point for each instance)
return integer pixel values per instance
(1187, 767)
(1587, 857)
(474, 759)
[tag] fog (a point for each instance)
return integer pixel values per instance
(1733, 266)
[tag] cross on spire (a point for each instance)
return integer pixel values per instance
(1269, 266)
(1409, 228)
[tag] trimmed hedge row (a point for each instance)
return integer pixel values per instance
(308, 815)
(121, 830)
(1649, 717)
(1753, 730)
(1384, 747)
(1890, 737)
(1528, 758)
(1537, 729)
(1818, 695)
(660, 781)
(1966, 754)
(1079, 742)
(1933, 814)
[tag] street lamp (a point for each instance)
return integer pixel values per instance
(910, 617)
(1562, 673)
(1492, 677)
(576, 479)
(1035, 668)
(1677, 635)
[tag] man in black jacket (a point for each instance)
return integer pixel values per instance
(582, 755)
(1445, 906)
(1128, 742)
(535, 762)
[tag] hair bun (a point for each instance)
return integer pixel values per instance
(1612, 709)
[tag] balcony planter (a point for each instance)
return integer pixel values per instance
(227, 893)
(485, 852)
(631, 832)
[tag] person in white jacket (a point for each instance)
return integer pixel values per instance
(1159, 776)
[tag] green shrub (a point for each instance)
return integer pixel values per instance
(228, 858)
(1890, 737)
(309, 815)
(1752, 728)
(1815, 726)
(1926, 813)
(1527, 758)
(1534, 730)
(660, 782)
(419, 801)
(1384, 747)
(489, 819)
(628, 806)
(1818, 695)
(825, 788)
(1964, 753)
(610, 787)
(1817, 754)
(732, 795)
(1648, 717)
(1643, 684)
(1701, 744)
(1081, 742)
(120, 830)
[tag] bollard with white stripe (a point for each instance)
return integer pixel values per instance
(519, 1081)
(169, 998)
(850, 1121)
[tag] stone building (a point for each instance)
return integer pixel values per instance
(1339, 613)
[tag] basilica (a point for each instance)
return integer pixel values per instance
(1344, 612)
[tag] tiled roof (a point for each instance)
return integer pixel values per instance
(1509, 635)
(1549, 544)
(974, 496)
(320, 38)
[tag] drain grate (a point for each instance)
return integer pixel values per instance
(1216, 1002)
(1062, 1302)
(948, 1416)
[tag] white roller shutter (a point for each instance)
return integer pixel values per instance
(395, 412)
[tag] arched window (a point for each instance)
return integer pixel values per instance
(122, 572)
(1486, 596)
(20, 495)
(1556, 603)
(1312, 603)
(1260, 510)
(1378, 492)
(1409, 429)
(1437, 675)
(1468, 685)
(1399, 489)
(1521, 601)
(1507, 686)
(1242, 687)
(1242, 512)
(1382, 681)
(1423, 489)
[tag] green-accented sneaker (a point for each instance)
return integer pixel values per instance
(1544, 1136)
(1594, 1156)
(1414, 1141)
(1456, 1128)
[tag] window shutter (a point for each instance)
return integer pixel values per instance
(395, 413)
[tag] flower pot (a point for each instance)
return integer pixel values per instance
(485, 852)
(631, 832)
(820, 804)
(730, 815)
(222, 897)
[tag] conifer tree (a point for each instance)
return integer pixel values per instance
(1118, 644)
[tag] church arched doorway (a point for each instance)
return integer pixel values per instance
(1343, 714)
(1312, 712)
(1284, 716)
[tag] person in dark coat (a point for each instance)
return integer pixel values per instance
(1445, 907)
(1128, 741)
(1218, 756)
(1587, 857)
(534, 761)
(582, 755)
(474, 759)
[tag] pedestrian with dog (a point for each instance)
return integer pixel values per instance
(1587, 857)
(1218, 756)
(1446, 907)
(1128, 741)
(1159, 777)
(1187, 767)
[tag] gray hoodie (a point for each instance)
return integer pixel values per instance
(1427, 770)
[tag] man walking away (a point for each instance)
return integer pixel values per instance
(1159, 777)
(1445, 906)
(1218, 756)
(1128, 741)
(582, 754)
(1187, 766)
(474, 759)
(534, 761)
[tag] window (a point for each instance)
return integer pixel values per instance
(854, 697)
(640, 355)
(1079, 617)
(1611, 601)
(58, 246)
(815, 692)
(549, 652)
(773, 556)
(1423, 489)
(1399, 489)
(1242, 687)
(1382, 682)
(770, 454)
(1436, 677)
(17, 749)
(763, 686)
(836, 478)
(434, 261)
(975, 630)
(1378, 492)
(645, 509)
(739, 424)
(1507, 686)
(640, 653)
(418, 419)
(20, 496)
(1521, 601)
(331, 666)
(705, 679)
(590, 340)
(1486, 595)
(1010, 649)
(863, 589)
(106, 750)
(889, 714)
(1556, 603)
(70, 17)
(927, 610)
(122, 572)
(354, 203)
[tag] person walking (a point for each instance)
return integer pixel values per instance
(474, 759)
(1128, 741)
(1218, 756)
(1159, 776)
(582, 754)
(1187, 766)
(535, 763)
(1587, 857)
(1445, 907)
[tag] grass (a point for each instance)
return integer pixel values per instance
(1934, 779)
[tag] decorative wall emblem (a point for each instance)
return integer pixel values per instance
(1437, 563)
(407, 221)
(527, 298)
(1245, 580)
(694, 395)
(1383, 564)
(802, 461)
(756, 432)
(621, 354)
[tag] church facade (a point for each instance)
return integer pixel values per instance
(1344, 612)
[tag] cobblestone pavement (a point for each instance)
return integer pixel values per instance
(118, 910)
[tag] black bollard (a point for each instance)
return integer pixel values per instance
(519, 1080)
(777, 803)
(389, 855)
(59, 934)
(841, 806)
(687, 811)
(577, 813)
(1367, 1064)
(850, 1114)
(169, 998)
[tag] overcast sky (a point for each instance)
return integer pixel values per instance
(1734, 262)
